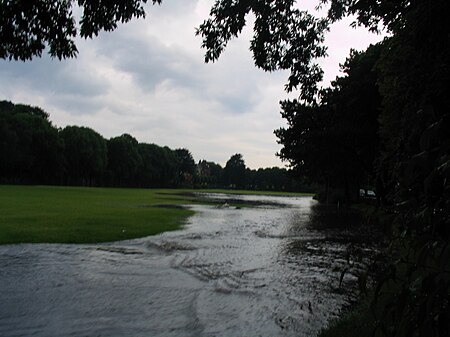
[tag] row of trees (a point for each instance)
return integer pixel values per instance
(32, 151)
(235, 174)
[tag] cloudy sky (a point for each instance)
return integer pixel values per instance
(148, 79)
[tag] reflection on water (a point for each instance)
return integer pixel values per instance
(265, 271)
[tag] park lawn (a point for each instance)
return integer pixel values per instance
(85, 215)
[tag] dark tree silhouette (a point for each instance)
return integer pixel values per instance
(85, 153)
(284, 38)
(335, 142)
(30, 148)
(123, 160)
(234, 171)
(186, 167)
(28, 27)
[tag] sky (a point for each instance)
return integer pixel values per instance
(148, 79)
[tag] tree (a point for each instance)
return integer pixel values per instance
(186, 166)
(123, 160)
(28, 27)
(234, 171)
(414, 72)
(335, 142)
(85, 153)
(159, 166)
(8, 143)
(284, 38)
(30, 147)
(148, 172)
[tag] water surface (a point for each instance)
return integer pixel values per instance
(267, 270)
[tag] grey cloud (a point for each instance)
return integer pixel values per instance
(237, 103)
(151, 63)
(47, 75)
(172, 8)
(77, 105)
(69, 84)
(148, 60)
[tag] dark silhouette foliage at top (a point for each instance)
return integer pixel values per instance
(284, 38)
(28, 27)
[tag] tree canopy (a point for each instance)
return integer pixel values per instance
(284, 38)
(85, 154)
(234, 171)
(28, 27)
(335, 142)
(30, 148)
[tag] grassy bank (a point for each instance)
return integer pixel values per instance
(86, 215)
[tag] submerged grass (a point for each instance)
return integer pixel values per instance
(31, 214)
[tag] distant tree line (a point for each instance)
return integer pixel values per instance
(33, 151)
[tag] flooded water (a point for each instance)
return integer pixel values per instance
(266, 270)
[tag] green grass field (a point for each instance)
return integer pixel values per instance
(87, 215)
(84, 215)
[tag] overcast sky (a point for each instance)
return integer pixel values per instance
(148, 79)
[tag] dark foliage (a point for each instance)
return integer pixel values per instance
(411, 172)
(28, 27)
(335, 142)
(284, 38)
(186, 167)
(30, 147)
(234, 171)
(85, 154)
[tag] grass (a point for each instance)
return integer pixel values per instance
(84, 215)
(32, 214)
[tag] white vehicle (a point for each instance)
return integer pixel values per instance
(370, 194)
(367, 193)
